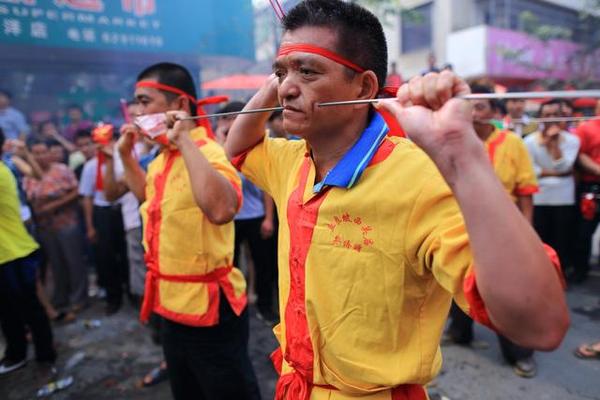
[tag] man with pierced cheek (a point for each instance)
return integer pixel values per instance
(379, 233)
(189, 197)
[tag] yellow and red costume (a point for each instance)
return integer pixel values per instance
(188, 257)
(370, 259)
(512, 163)
(367, 268)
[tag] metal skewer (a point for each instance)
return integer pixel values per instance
(556, 94)
(550, 119)
(256, 110)
(563, 94)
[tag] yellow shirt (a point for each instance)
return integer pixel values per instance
(366, 274)
(512, 163)
(188, 257)
(15, 242)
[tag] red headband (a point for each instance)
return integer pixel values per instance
(166, 88)
(309, 48)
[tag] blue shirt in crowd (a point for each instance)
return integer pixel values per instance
(13, 123)
(253, 205)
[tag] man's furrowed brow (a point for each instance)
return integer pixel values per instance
(276, 65)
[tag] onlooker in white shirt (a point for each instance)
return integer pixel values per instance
(553, 152)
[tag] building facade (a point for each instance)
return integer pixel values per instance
(89, 52)
(509, 41)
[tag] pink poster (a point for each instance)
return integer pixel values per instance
(519, 55)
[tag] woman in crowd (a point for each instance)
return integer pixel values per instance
(54, 201)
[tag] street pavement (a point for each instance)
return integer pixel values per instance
(120, 351)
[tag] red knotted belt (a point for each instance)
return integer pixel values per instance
(153, 275)
(295, 386)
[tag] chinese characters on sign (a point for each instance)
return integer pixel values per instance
(126, 24)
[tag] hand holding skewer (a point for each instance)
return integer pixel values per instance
(435, 116)
(180, 124)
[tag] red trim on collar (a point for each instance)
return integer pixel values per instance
(493, 145)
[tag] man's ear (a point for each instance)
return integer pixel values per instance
(368, 86)
(183, 104)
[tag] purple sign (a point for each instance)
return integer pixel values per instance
(518, 55)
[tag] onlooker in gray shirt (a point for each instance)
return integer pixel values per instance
(553, 152)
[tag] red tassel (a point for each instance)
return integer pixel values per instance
(99, 180)
(588, 206)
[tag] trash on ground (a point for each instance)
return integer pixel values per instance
(74, 360)
(54, 387)
(92, 323)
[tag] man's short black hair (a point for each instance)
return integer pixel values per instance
(6, 93)
(568, 103)
(74, 106)
(515, 89)
(549, 103)
(478, 88)
(173, 75)
(53, 143)
(232, 106)
(37, 139)
(360, 35)
(83, 133)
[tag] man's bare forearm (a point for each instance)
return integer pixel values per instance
(88, 211)
(520, 287)
(113, 189)
(23, 167)
(548, 172)
(58, 203)
(588, 165)
(525, 205)
(249, 129)
(269, 207)
(213, 193)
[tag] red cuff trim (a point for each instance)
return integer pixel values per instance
(238, 192)
(239, 160)
(526, 190)
(477, 309)
(556, 264)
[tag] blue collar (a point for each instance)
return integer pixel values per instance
(349, 169)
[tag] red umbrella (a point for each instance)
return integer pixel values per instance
(585, 102)
(235, 82)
